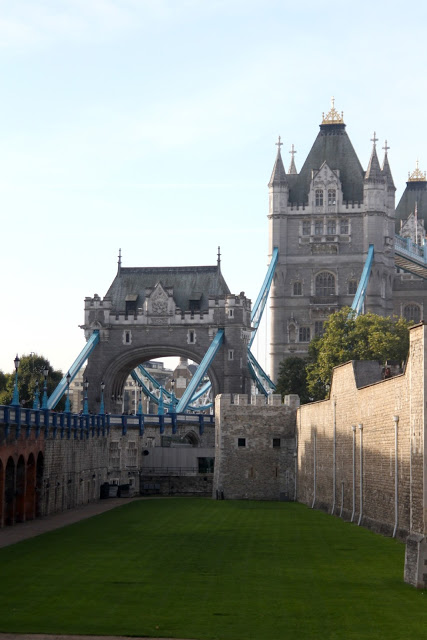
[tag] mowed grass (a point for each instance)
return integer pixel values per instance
(198, 568)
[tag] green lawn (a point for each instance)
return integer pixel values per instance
(198, 568)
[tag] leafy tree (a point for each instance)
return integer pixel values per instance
(347, 337)
(29, 373)
(292, 378)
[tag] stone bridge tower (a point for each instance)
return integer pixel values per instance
(153, 312)
(323, 220)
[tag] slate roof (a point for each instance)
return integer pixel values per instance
(189, 283)
(415, 192)
(332, 146)
(373, 172)
(278, 175)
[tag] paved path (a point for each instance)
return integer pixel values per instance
(41, 636)
(24, 530)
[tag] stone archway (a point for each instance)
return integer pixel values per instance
(118, 369)
(151, 312)
(20, 490)
(9, 493)
(30, 488)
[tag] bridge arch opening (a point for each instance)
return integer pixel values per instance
(120, 368)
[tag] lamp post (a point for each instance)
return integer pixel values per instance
(15, 398)
(67, 401)
(102, 408)
(45, 374)
(139, 411)
(161, 408)
(36, 403)
(173, 399)
(85, 411)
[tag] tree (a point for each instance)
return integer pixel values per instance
(347, 337)
(292, 378)
(29, 373)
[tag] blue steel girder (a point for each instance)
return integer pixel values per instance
(261, 379)
(148, 392)
(200, 371)
(74, 369)
(359, 298)
(261, 300)
(410, 256)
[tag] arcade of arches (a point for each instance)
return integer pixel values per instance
(21, 477)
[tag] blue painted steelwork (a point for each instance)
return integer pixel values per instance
(200, 371)
(410, 256)
(359, 298)
(260, 303)
(261, 379)
(148, 392)
(74, 369)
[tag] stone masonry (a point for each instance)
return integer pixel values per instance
(254, 448)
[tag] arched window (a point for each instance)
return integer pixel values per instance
(304, 334)
(412, 313)
(319, 197)
(297, 289)
(352, 287)
(325, 284)
(332, 197)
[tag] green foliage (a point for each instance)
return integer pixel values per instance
(210, 569)
(293, 378)
(29, 373)
(346, 337)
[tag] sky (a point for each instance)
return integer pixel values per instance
(150, 126)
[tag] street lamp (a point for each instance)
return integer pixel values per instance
(15, 398)
(102, 408)
(45, 374)
(139, 412)
(173, 399)
(160, 407)
(67, 401)
(85, 404)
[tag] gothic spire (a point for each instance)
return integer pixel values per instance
(292, 167)
(386, 167)
(278, 176)
(373, 171)
(119, 262)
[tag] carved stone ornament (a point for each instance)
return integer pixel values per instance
(159, 301)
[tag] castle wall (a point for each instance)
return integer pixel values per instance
(70, 471)
(363, 421)
(254, 449)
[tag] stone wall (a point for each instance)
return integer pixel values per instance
(361, 453)
(42, 473)
(254, 449)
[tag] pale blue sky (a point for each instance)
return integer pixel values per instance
(151, 125)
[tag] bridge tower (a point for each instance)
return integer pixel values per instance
(323, 220)
(154, 312)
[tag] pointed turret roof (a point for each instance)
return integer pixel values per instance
(414, 194)
(386, 168)
(334, 147)
(373, 172)
(278, 175)
(292, 167)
